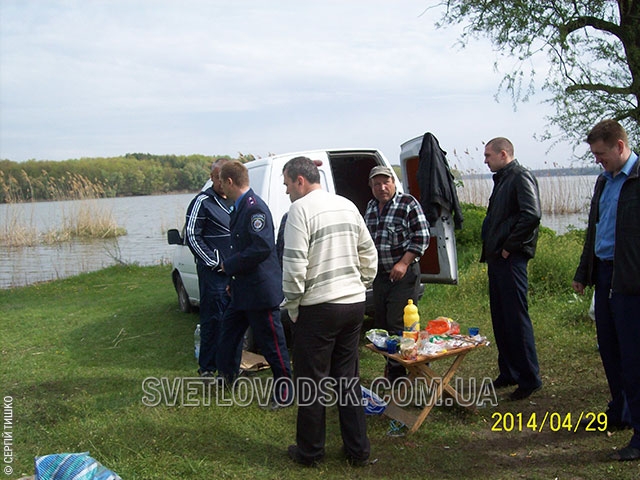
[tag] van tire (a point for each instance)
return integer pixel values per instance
(183, 297)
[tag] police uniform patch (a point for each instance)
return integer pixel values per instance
(258, 221)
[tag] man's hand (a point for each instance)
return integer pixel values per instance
(398, 271)
(505, 254)
(578, 287)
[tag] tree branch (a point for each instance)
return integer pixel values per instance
(601, 87)
(588, 21)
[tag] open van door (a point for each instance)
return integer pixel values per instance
(426, 175)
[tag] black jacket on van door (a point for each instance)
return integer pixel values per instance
(437, 187)
(513, 215)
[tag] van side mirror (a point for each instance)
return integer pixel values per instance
(173, 237)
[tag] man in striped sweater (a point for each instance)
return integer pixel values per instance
(329, 259)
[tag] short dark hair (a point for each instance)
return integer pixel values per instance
(237, 172)
(218, 163)
(609, 131)
(500, 143)
(302, 166)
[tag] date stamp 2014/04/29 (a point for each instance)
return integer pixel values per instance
(549, 421)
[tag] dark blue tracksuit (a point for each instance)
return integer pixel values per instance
(208, 236)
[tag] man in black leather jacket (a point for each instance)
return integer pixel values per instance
(509, 237)
(611, 261)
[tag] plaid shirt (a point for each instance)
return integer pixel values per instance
(401, 227)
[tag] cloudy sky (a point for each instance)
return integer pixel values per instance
(101, 78)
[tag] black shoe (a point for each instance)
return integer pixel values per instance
(358, 462)
(521, 393)
(500, 382)
(296, 456)
(207, 376)
(625, 454)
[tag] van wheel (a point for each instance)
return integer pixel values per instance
(183, 297)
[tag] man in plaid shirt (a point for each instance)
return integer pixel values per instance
(400, 232)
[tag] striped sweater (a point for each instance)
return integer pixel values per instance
(329, 256)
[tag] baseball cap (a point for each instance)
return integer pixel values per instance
(380, 170)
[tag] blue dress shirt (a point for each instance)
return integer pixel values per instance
(606, 226)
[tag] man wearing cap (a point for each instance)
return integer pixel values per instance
(400, 232)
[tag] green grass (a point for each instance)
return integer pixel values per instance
(74, 354)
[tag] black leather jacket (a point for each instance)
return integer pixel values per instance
(513, 215)
(626, 257)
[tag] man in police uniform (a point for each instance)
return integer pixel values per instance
(255, 285)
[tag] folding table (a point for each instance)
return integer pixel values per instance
(421, 368)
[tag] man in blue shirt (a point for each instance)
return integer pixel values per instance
(611, 261)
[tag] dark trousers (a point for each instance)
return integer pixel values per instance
(618, 328)
(213, 302)
(325, 347)
(512, 328)
(268, 335)
(389, 300)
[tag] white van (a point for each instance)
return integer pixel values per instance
(342, 171)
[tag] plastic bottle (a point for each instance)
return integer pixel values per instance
(196, 342)
(411, 320)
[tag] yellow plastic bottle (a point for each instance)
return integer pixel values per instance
(411, 320)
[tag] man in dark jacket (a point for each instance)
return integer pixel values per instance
(207, 235)
(509, 237)
(255, 285)
(611, 261)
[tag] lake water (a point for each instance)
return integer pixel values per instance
(147, 220)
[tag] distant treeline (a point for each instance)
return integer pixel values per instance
(130, 175)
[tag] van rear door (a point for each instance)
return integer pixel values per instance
(439, 264)
(350, 171)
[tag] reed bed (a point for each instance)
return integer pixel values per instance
(558, 194)
(16, 230)
(82, 218)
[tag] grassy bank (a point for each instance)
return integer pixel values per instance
(75, 352)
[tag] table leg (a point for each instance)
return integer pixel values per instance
(442, 384)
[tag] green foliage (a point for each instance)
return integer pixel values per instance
(470, 234)
(550, 271)
(130, 175)
(593, 50)
(468, 239)
(553, 268)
